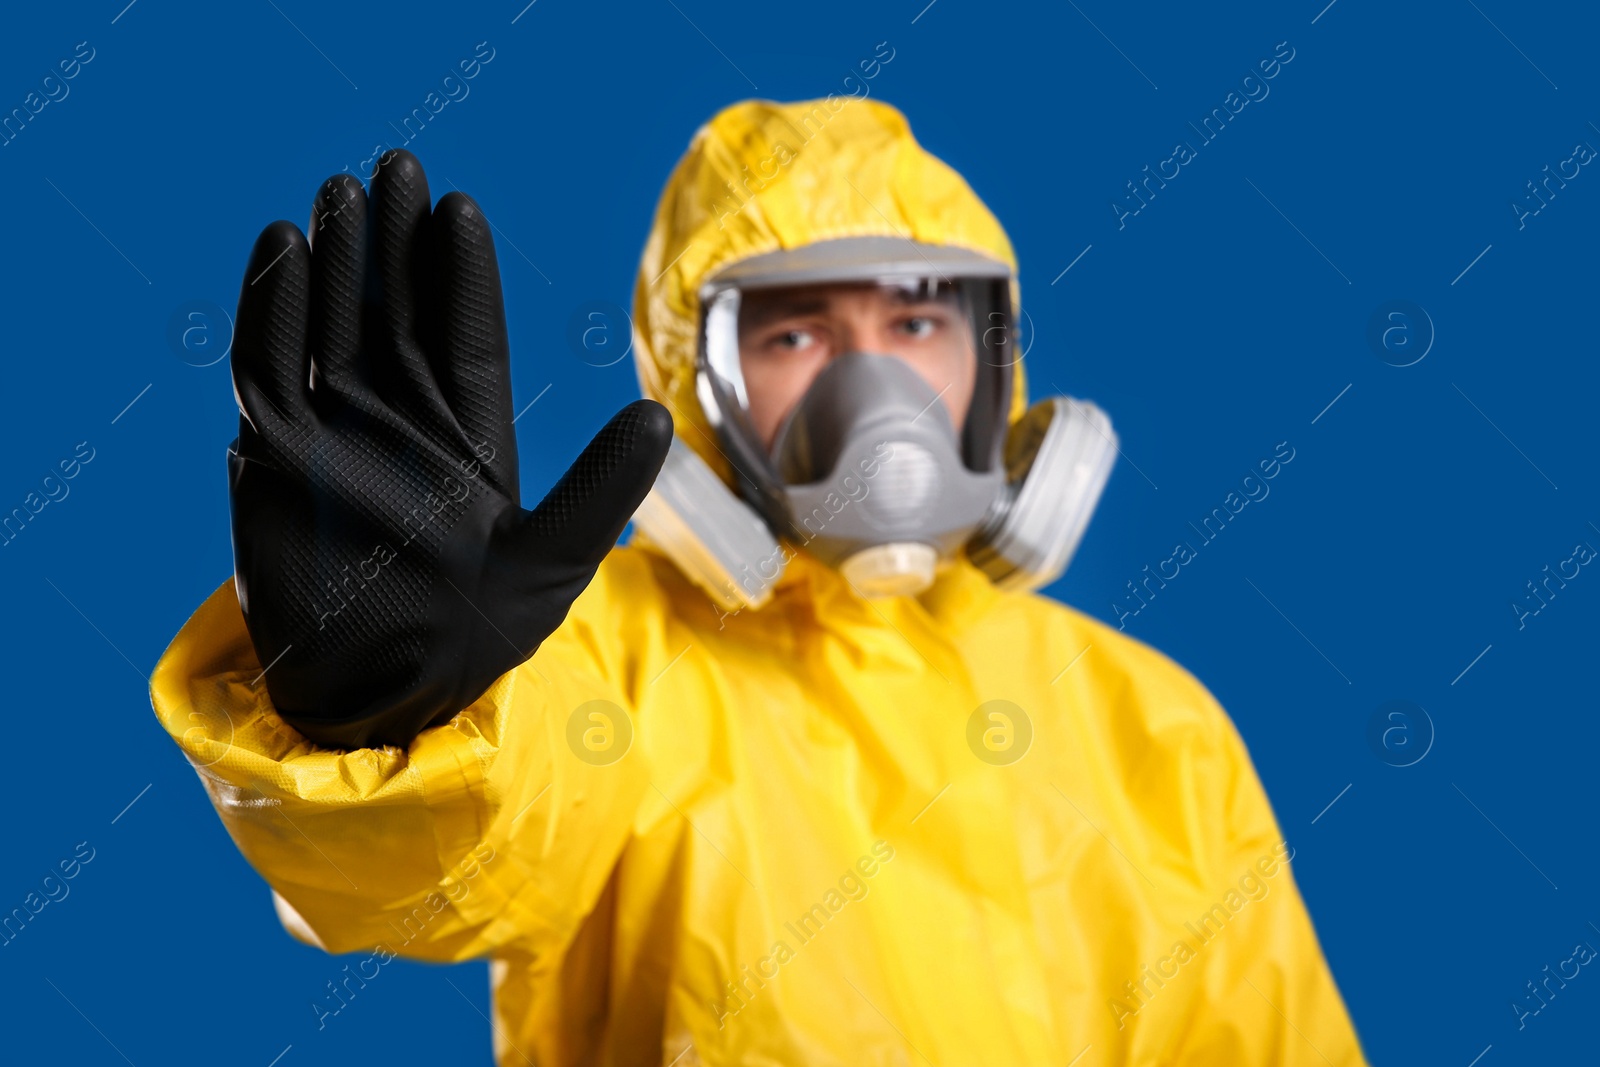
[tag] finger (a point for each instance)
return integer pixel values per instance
(582, 516)
(399, 258)
(269, 350)
(337, 236)
(471, 361)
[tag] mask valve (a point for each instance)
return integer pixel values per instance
(900, 568)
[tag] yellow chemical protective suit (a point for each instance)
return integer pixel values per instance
(799, 835)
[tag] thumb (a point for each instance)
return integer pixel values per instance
(584, 513)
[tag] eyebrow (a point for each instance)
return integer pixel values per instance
(765, 309)
(769, 307)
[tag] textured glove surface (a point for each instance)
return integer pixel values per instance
(387, 571)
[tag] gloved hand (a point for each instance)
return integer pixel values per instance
(386, 569)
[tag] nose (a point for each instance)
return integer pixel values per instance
(860, 333)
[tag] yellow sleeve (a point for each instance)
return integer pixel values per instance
(1267, 996)
(487, 830)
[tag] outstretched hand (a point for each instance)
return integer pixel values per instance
(387, 571)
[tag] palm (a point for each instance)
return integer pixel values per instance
(385, 565)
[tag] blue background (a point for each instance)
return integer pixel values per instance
(1212, 327)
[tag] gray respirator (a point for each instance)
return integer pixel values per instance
(868, 472)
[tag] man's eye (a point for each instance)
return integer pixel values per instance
(920, 326)
(793, 339)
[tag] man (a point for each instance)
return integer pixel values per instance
(803, 775)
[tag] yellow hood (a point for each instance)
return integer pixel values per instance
(763, 176)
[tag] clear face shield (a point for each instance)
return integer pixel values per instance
(865, 413)
(860, 389)
(952, 332)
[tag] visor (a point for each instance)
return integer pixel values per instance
(972, 292)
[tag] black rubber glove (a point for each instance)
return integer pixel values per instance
(386, 569)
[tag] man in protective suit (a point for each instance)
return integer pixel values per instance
(804, 774)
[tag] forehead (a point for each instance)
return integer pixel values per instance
(766, 304)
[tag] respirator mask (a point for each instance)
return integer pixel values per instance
(867, 471)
